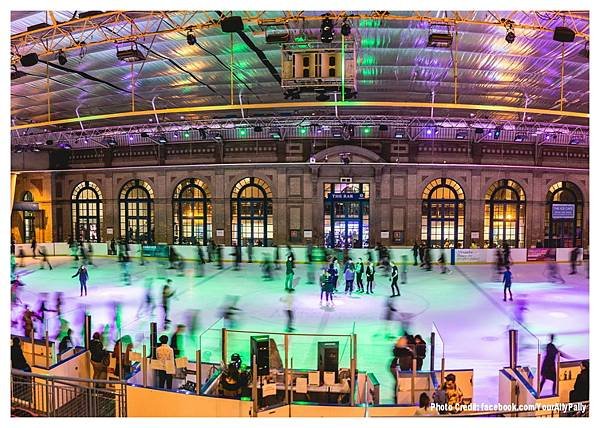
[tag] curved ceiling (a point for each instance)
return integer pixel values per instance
(394, 62)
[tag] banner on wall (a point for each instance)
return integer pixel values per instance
(540, 254)
(469, 256)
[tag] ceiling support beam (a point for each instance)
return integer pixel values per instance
(308, 104)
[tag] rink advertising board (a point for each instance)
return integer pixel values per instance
(465, 255)
(538, 254)
(560, 211)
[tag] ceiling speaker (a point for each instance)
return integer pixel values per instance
(564, 34)
(29, 60)
(232, 24)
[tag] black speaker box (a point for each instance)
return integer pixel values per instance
(259, 346)
(232, 24)
(564, 34)
(29, 60)
(329, 358)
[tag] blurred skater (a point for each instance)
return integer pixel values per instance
(507, 281)
(394, 280)
(289, 273)
(147, 304)
(548, 371)
(167, 294)
(403, 269)
(44, 254)
(370, 276)
(573, 258)
(83, 275)
(288, 307)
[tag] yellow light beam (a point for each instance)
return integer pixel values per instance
(308, 104)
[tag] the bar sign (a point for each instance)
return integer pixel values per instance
(345, 196)
(563, 211)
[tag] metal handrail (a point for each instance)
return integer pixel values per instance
(64, 378)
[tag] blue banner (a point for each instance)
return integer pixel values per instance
(563, 211)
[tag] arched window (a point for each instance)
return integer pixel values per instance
(251, 212)
(505, 214)
(28, 219)
(192, 213)
(563, 225)
(86, 211)
(443, 214)
(136, 211)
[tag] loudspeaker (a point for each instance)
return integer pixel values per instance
(233, 24)
(328, 358)
(564, 34)
(29, 60)
(259, 346)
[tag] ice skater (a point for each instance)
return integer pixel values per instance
(249, 250)
(389, 316)
(370, 276)
(237, 257)
(310, 272)
(507, 281)
(90, 253)
(33, 246)
(125, 273)
(200, 262)
(573, 257)
(167, 294)
(394, 280)
(288, 307)
(349, 277)
(267, 268)
(220, 256)
(324, 282)
(403, 269)
(289, 273)
(147, 304)
(229, 312)
(44, 254)
(276, 256)
(359, 269)
(548, 371)
(21, 257)
(415, 251)
(442, 262)
(83, 275)
(28, 322)
(553, 271)
(290, 253)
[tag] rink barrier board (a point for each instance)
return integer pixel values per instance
(189, 253)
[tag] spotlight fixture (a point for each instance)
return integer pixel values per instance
(275, 134)
(49, 142)
(519, 138)
(29, 60)
(35, 149)
(144, 135)
(478, 130)
(217, 137)
(439, 40)
(383, 128)
(462, 135)
(62, 58)
(110, 142)
(258, 128)
(346, 29)
(497, 132)
(575, 141)
(162, 139)
(399, 133)
(510, 31)
(16, 74)
(65, 146)
(191, 38)
(19, 149)
(130, 53)
(431, 131)
(327, 32)
(337, 132)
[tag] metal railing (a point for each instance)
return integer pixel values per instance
(57, 396)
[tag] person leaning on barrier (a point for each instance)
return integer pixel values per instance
(100, 359)
(234, 379)
(449, 394)
(581, 390)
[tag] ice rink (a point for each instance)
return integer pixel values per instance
(466, 305)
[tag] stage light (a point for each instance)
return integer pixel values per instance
(130, 53)
(49, 142)
(162, 139)
(367, 130)
(399, 133)
(303, 131)
(497, 132)
(145, 135)
(337, 132)
(62, 58)
(462, 135)
(29, 60)
(131, 138)
(35, 149)
(383, 128)
(191, 39)
(275, 134)
(19, 149)
(346, 29)
(510, 32)
(478, 130)
(110, 142)
(243, 132)
(186, 134)
(431, 131)
(217, 137)
(65, 146)
(327, 32)
(258, 128)
(519, 138)
(575, 141)
(439, 40)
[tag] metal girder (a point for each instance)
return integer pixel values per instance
(87, 32)
(130, 135)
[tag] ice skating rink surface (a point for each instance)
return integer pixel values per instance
(466, 306)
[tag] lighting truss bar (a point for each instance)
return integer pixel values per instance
(307, 104)
(317, 127)
(130, 26)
